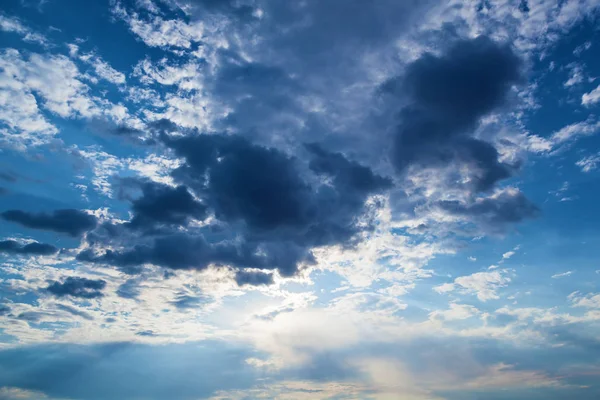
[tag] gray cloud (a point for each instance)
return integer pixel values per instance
(69, 221)
(77, 287)
(35, 248)
(448, 95)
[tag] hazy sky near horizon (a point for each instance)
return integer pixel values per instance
(313, 199)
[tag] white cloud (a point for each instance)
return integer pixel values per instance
(51, 82)
(589, 163)
(591, 300)
(588, 99)
(581, 48)
(186, 77)
(8, 24)
(511, 253)
(562, 274)
(575, 75)
(455, 312)
(13, 393)
(104, 166)
(482, 284)
(103, 69)
(575, 130)
(158, 32)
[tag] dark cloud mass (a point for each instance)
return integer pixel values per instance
(77, 287)
(270, 216)
(448, 96)
(39, 249)
(162, 204)
(69, 221)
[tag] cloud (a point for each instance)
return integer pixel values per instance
(77, 287)
(572, 131)
(33, 82)
(103, 69)
(591, 300)
(253, 278)
(34, 248)
(591, 98)
(12, 24)
(589, 163)
(506, 206)
(268, 215)
(482, 284)
(163, 204)
(576, 75)
(69, 221)
(562, 275)
(447, 96)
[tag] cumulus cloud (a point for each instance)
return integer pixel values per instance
(447, 97)
(484, 285)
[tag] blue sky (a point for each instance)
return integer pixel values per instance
(239, 199)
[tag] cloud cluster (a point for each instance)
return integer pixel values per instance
(268, 214)
(448, 95)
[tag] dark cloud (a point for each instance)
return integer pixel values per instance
(448, 95)
(4, 310)
(509, 206)
(349, 176)
(39, 249)
(188, 251)
(69, 221)
(269, 215)
(77, 287)
(264, 189)
(253, 278)
(162, 204)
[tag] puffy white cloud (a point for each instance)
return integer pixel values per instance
(56, 81)
(484, 285)
(591, 300)
(591, 98)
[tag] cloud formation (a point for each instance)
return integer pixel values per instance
(35, 248)
(447, 96)
(68, 221)
(77, 287)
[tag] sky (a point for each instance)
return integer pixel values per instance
(341, 199)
